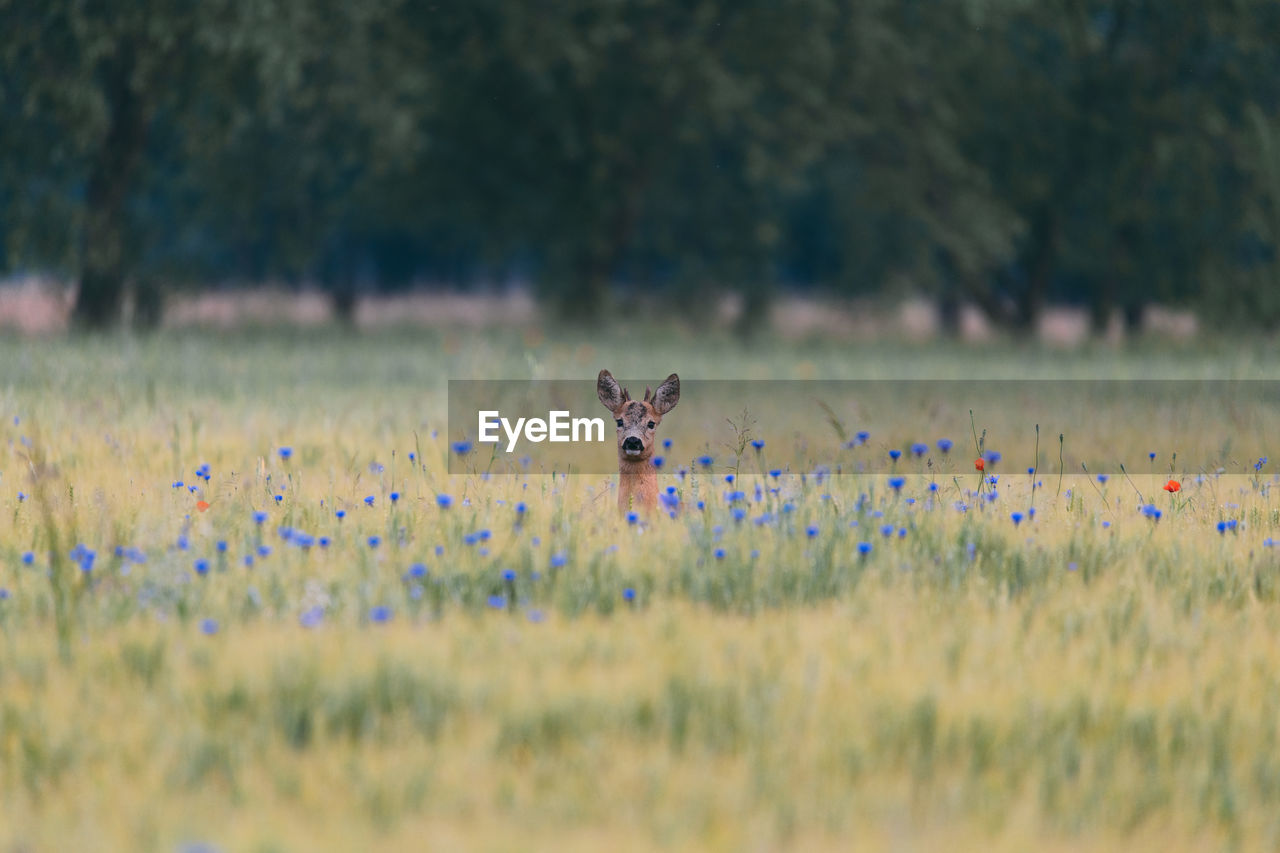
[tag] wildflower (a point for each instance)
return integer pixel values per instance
(22, 496)
(285, 453)
(201, 506)
(629, 594)
(933, 487)
(658, 461)
(864, 548)
(945, 445)
(980, 464)
(413, 457)
(896, 483)
(919, 449)
(894, 454)
(812, 531)
(417, 570)
(1152, 456)
(1071, 567)
(758, 443)
(462, 448)
(394, 496)
(209, 627)
(521, 509)
(1222, 527)
(248, 561)
(202, 567)
(1152, 511)
(341, 514)
(862, 436)
(1172, 486)
(1257, 466)
(1232, 524)
(312, 618)
(509, 575)
(559, 559)
(993, 456)
(719, 553)
(1102, 478)
(368, 501)
(444, 501)
(775, 473)
(886, 530)
(264, 550)
(279, 498)
(221, 546)
(375, 541)
(259, 517)
(178, 484)
(729, 478)
(497, 602)
(4, 594)
(705, 461)
(1016, 518)
(380, 613)
(666, 444)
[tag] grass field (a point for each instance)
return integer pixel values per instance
(522, 669)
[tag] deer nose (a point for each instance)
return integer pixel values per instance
(631, 443)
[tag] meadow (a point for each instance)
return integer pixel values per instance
(245, 606)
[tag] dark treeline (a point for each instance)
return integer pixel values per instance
(1108, 153)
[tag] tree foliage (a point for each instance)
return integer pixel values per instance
(1106, 152)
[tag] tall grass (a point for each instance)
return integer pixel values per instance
(493, 679)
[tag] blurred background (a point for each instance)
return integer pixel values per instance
(953, 164)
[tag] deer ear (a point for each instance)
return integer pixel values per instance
(667, 395)
(648, 394)
(608, 391)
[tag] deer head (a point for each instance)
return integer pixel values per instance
(637, 420)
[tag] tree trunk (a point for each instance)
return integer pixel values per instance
(105, 250)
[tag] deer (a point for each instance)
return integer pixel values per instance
(638, 422)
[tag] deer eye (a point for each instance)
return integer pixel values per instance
(652, 425)
(619, 421)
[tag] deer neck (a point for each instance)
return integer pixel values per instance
(637, 484)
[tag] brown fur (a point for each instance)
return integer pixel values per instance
(637, 478)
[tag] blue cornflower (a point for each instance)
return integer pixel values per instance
(1102, 478)
(812, 531)
(629, 594)
(1152, 456)
(394, 496)
(264, 550)
(864, 548)
(340, 514)
(896, 483)
(209, 627)
(705, 461)
(1257, 466)
(993, 456)
(413, 457)
(279, 498)
(444, 501)
(658, 461)
(729, 478)
(1222, 527)
(28, 558)
(285, 452)
(1152, 511)
(775, 473)
(497, 602)
(508, 575)
(375, 541)
(462, 448)
(22, 496)
(758, 443)
(380, 613)
(886, 530)
(417, 570)
(719, 553)
(945, 445)
(178, 484)
(919, 449)
(894, 454)
(202, 566)
(312, 618)
(666, 444)
(248, 561)
(1016, 517)
(559, 559)
(862, 436)
(4, 594)
(521, 509)
(259, 517)
(1232, 524)
(221, 546)
(633, 518)
(368, 501)
(933, 487)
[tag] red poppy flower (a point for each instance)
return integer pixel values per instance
(980, 464)
(202, 505)
(1172, 486)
